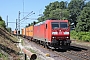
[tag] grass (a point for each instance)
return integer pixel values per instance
(33, 51)
(22, 42)
(4, 57)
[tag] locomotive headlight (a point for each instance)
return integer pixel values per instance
(54, 32)
(66, 32)
(67, 37)
(53, 37)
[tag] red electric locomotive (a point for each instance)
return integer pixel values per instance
(53, 33)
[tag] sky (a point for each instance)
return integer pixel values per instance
(11, 9)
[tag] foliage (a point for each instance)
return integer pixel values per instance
(82, 36)
(9, 29)
(0, 18)
(84, 20)
(33, 23)
(59, 14)
(75, 6)
(2, 23)
(33, 51)
(87, 4)
(28, 25)
(5, 57)
(55, 10)
(40, 19)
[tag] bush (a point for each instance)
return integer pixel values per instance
(8, 29)
(0, 55)
(83, 36)
(86, 38)
(2, 24)
(74, 34)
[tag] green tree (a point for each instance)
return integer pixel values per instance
(52, 6)
(0, 18)
(84, 20)
(59, 14)
(29, 24)
(75, 7)
(9, 29)
(55, 10)
(40, 19)
(63, 5)
(2, 22)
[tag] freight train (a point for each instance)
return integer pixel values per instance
(50, 33)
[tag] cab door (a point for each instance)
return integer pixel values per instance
(48, 31)
(45, 32)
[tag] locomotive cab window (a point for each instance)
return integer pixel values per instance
(55, 25)
(46, 26)
(63, 24)
(59, 25)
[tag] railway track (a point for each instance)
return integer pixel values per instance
(74, 53)
(63, 55)
(80, 52)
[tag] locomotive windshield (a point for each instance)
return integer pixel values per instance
(59, 25)
(63, 25)
(55, 25)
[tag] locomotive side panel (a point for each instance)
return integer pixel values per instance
(39, 32)
(42, 32)
(35, 32)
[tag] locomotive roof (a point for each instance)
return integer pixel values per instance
(47, 20)
(39, 23)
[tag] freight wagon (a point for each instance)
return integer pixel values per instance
(28, 32)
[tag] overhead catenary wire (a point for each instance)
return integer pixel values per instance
(27, 15)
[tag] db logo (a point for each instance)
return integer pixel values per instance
(60, 32)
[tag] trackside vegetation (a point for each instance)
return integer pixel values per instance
(2, 23)
(5, 57)
(81, 36)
